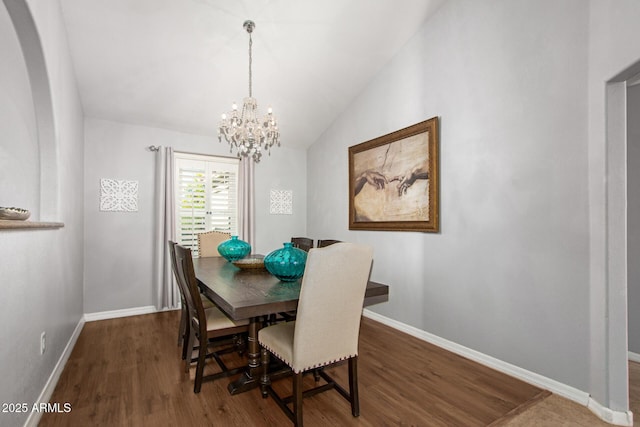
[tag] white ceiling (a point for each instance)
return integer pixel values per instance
(179, 64)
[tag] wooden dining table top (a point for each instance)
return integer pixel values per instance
(247, 293)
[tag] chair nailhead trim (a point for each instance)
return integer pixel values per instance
(318, 365)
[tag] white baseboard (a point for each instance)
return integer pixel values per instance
(47, 391)
(114, 314)
(125, 312)
(564, 390)
(634, 357)
(618, 418)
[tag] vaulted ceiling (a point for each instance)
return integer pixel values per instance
(179, 64)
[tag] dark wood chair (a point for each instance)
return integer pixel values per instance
(327, 326)
(303, 243)
(325, 243)
(206, 326)
(183, 329)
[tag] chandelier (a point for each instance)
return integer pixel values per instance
(243, 130)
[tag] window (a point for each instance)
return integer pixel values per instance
(206, 191)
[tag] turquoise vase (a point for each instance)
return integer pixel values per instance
(287, 263)
(234, 249)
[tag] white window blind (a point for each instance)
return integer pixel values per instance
(206, 189)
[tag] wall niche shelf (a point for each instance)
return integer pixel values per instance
(6, 224)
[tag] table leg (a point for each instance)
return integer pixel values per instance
(251, 377)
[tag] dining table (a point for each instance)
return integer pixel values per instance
(255, 294)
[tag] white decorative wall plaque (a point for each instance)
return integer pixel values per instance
(118, 195)
(281, 202)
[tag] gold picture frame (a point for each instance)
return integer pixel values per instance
(394, 181)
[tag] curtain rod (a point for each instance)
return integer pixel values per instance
(157, 148)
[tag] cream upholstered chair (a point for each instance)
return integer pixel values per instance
(327, 326)
(208, 242)
(204, 325)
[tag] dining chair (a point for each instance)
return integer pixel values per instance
(327, 326)
(327, 242)
(303, 243)
(208, 242)
(207, 326)
(183, 329)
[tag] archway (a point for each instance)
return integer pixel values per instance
(31, 45)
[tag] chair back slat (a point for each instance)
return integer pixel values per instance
(187, 275)
(327, 242)
(330, 305)
(174, 268)
(303, 243)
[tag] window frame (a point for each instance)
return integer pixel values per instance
(203, 217)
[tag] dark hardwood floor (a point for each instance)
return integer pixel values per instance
(127, 371)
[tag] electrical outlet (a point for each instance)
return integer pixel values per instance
(43, 342)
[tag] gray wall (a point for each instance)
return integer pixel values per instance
(633, 215)
(119, 246)
(508, 274)
(40, 270)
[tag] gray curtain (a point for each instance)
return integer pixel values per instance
(166, 290)
(246, 204)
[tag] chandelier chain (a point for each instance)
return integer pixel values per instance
(250, 60)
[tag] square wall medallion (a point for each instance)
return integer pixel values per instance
(118, 195)
(281, 202)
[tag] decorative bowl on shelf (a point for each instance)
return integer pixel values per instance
(286, 263)
(251, 262)
(14, 213)
(234, 249)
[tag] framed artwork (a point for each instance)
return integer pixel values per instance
(393, 181)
